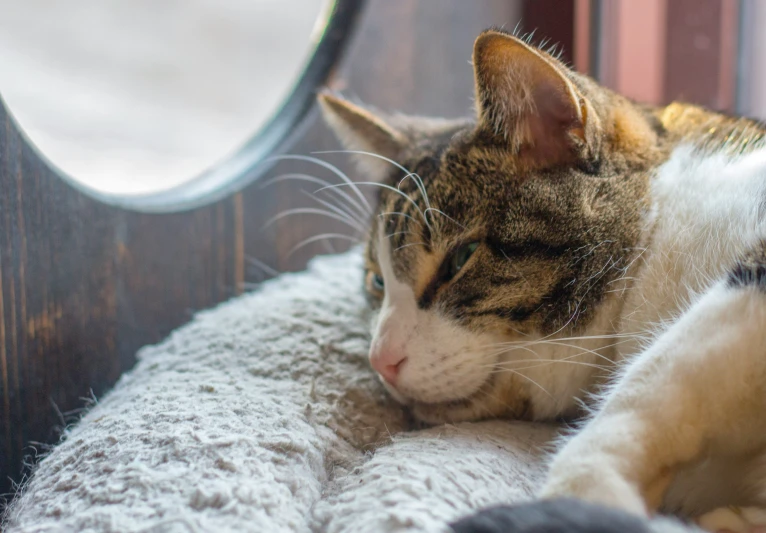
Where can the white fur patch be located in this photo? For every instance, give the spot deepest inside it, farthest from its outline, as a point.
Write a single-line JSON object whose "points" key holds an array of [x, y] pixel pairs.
{"points": [[706, 213], [444, 361]]}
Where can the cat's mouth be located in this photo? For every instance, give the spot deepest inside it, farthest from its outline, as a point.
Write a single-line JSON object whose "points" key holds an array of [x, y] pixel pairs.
{"points": [[450, 394]]}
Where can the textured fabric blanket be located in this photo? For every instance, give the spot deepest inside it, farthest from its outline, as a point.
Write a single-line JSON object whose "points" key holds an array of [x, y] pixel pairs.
{"points": [[263, 415]]}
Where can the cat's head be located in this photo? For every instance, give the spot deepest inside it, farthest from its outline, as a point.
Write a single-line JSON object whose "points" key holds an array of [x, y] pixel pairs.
{"points": [[497, 237]]}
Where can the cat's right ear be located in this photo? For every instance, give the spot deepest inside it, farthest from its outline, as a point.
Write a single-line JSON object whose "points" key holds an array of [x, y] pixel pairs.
{"points": [[360, 130], [525, 96]]}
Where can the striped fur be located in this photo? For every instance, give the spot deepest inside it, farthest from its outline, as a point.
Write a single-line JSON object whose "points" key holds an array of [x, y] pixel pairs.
{"points": [[602, 225]]}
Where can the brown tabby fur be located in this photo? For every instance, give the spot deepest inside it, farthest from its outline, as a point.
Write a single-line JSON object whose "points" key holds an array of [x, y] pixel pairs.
{"points": [[567, 211]]}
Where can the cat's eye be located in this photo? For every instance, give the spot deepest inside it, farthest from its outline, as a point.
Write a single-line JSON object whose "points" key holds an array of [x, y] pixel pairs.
{"points": [[377, 283], [461, 257]]}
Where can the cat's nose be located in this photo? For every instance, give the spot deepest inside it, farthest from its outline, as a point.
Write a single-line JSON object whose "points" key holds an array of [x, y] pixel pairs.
{"points": [[388, 365]]}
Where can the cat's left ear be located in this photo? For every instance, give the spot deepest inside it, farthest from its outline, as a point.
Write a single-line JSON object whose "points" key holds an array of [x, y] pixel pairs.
{"points": [[358, 129], [526, 97]]}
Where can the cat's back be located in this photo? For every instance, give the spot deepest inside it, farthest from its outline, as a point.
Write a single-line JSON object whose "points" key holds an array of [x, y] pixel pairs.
{"points": [[707, 209]]}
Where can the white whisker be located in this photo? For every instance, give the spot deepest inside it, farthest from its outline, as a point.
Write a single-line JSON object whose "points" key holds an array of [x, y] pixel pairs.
{"points": [[544, 362], [401, 214], [408, 245], [263, 266], [531, 381], [315, 238], [312, 211], [318, 181], [337, 209], [383, 186], [335, 170], [409, 174], [442, 213]]}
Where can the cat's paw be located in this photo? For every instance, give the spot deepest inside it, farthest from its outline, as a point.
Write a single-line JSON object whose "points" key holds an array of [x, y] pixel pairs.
{"points": [[552, 516], [734, 520], [592, 481]]}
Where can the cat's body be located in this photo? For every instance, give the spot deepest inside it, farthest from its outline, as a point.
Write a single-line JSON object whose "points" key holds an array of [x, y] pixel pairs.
{"points": [[566, 240]]}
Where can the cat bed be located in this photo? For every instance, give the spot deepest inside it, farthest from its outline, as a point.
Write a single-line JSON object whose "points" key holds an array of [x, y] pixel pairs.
{"points": [[263, 415]]}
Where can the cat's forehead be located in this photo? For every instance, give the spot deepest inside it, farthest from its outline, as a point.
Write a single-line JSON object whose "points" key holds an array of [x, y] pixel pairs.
{"points": [[477, 183]]}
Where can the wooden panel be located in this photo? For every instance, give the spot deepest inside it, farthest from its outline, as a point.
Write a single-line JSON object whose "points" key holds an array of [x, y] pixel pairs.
{"points": [[657, 51], [701, 49], [632, 48], [58, 312], [84, 285]]}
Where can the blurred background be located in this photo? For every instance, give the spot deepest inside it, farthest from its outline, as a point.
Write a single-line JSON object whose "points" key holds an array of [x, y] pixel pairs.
{"points": [[135, 96], [132, 96]]}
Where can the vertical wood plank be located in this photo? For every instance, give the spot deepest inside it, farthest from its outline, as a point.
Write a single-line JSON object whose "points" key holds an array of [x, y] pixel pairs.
{"points": [[658, 51], [701, 52], [633, 47], [582, 51]]}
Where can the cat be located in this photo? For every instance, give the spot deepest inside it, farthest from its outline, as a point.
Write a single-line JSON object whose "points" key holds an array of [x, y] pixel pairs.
{"points": [[569, 253]]}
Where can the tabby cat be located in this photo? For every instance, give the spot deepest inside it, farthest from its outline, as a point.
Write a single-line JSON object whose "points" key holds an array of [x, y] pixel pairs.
{"points": [[570, 252]]}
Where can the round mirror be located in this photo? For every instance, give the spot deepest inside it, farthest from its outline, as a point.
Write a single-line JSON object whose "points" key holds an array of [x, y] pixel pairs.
{"points": [[139, 98]]}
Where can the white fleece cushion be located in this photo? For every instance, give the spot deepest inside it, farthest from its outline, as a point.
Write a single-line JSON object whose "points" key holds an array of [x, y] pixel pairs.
{"points": [[263, 415]]}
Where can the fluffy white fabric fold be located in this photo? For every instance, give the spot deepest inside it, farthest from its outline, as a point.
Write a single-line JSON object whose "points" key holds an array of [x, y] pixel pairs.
{"points": [[263, 415]]}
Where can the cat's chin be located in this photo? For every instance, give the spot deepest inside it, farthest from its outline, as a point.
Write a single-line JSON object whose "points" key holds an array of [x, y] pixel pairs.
{"points": [[450, 412], [471, 408], [496, 398]]}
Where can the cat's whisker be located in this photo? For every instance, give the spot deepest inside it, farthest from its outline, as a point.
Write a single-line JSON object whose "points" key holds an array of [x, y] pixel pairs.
{"points": [[408, 245], [584, 351], [419, 184], [409, 174], [313, 211], [511, 349], [399, 213], [337, 208], [510, 371], [315, 238], [442, 213], [363, 152], [497, 369], [318, 181], [565, 325], [332, 168], [383, 186], [263, 267], [573, 338]]}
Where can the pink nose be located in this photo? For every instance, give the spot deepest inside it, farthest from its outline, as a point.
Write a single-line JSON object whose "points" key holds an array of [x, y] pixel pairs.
{"points": [[388, 365]]}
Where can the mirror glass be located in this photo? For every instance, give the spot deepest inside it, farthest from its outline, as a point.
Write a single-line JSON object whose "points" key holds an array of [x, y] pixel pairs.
{"points": [[137, 96]]}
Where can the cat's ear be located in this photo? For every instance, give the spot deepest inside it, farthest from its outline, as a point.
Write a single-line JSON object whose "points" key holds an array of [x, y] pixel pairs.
{"points": [[360, 130], [525, 96]]}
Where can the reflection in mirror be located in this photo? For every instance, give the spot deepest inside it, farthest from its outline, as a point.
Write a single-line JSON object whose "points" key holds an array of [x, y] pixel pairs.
{"points": [[137, 96]]}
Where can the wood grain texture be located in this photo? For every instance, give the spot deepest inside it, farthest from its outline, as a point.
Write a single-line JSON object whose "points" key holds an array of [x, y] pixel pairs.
{"points": [[84, 285]]}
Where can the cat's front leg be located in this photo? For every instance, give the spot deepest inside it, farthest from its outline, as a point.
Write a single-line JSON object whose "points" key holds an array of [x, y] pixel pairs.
{"points": [[699, 389]]}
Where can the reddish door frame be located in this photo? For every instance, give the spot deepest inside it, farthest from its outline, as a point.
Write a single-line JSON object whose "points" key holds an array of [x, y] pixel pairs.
{"points": [[656, 51]]}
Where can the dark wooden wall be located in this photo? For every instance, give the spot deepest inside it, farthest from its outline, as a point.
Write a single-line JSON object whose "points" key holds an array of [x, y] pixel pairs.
{"points": [[83, 285]]}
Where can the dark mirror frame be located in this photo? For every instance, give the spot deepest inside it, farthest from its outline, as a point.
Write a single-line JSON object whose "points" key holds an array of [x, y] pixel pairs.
{"points": [[334, 28]]}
